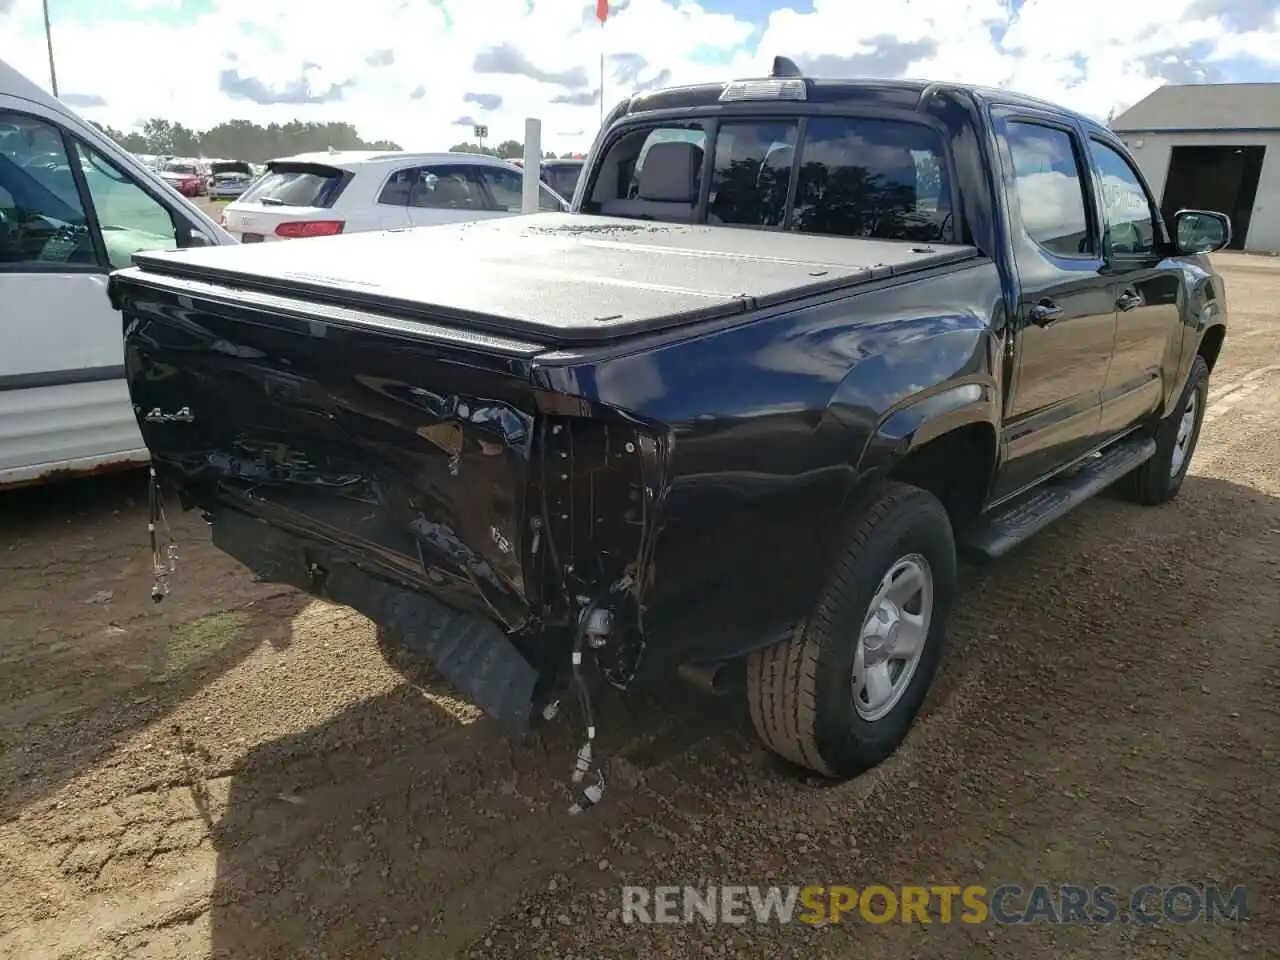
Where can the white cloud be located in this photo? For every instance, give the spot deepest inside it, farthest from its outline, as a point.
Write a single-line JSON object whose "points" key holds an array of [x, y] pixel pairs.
{"points": [[141, 61]]}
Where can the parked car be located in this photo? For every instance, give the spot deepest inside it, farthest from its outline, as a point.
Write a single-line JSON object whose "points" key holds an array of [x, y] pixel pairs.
{"points": [[186, 177], [800, 343], [562, 175], [320, 194], [228, 179], [73, 206]]}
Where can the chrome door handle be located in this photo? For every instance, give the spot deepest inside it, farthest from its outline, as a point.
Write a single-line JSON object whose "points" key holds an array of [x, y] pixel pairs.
{"points": [[1129, 300], [1044, 313]]}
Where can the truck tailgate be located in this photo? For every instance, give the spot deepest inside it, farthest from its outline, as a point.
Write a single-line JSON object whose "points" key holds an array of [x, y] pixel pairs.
{"points": [[408, 453]]}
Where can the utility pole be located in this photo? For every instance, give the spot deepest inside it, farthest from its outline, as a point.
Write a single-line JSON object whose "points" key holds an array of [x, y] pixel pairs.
{"points": [[48, 37]]}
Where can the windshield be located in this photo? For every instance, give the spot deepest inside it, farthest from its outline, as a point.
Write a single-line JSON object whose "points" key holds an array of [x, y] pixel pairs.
{"points": [[175, 167], [230, 169], [296, 185]]}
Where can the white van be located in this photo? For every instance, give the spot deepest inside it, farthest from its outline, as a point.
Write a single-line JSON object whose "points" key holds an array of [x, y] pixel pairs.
{"points": [[73, 206]]}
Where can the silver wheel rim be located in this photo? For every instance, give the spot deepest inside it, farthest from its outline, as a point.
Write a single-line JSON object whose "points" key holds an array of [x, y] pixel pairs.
{"points": [[1182, 442], [893, 635]]}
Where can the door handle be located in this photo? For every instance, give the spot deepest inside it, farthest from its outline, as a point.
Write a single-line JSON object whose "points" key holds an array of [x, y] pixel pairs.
{"points": [[1045, 313], [1129, 300]]}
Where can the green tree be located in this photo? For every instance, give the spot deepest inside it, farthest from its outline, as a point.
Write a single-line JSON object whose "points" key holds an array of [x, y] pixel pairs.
{"points": [[477, 149], [510, 150], [158, 133], [243, 139]]}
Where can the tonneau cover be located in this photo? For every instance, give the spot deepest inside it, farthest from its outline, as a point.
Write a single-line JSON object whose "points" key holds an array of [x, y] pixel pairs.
{"points": [[559, 279]]}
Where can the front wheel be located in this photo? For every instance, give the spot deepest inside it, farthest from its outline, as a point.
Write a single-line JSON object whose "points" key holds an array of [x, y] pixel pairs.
{"points": [[1160, 478], [841, 694]]}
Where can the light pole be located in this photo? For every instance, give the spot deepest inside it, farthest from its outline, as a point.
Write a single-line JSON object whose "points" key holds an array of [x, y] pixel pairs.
{"points": [[48, 36]]}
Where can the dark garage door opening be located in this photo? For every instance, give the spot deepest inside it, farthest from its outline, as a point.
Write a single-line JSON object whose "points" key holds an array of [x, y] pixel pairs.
{"points": [[1224, 179]]}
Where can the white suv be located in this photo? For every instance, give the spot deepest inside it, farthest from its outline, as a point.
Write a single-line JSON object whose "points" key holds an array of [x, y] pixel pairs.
{"points": [[320, 194]]}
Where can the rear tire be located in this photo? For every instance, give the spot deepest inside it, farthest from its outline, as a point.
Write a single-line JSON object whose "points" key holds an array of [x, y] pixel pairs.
{"points": [[835, 698], [1160, 478]]}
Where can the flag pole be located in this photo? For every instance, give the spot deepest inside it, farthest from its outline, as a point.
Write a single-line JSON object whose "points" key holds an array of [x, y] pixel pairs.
{"points": [[602, 14], [48, 39]]}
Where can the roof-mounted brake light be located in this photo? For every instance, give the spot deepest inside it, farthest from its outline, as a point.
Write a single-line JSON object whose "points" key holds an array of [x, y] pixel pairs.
{"points": [[790, 88], [785, 67]]}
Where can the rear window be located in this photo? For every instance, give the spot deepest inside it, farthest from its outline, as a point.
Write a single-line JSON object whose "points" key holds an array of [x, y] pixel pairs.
{"points": [[297, 185], [847, 176], [873, 178], [751, 174]]}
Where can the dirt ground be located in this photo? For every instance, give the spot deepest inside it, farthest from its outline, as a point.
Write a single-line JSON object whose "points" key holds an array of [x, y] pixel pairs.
{"points": [[237, 772]]}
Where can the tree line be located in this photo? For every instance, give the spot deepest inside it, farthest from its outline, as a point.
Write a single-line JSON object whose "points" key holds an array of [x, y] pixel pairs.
{"points": [[242, 139], [506, 150], [245, 140]]}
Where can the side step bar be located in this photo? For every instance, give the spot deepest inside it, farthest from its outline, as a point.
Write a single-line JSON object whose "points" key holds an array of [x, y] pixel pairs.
{"points": [[995, 534]]}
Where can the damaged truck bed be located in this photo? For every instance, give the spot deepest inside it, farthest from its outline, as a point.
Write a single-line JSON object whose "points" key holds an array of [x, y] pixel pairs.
{"points": [[465, 432], [799, 344]]}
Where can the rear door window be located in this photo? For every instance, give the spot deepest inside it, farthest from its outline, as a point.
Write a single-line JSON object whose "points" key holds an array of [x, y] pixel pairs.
{"points": [[884, 179], [297, 185], [752, 173], [399, 186], [1049, 187]]}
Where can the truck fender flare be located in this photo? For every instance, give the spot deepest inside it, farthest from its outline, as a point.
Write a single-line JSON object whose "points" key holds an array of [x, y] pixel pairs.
{"points": [[925, 417], [1205, 316], [1208, 323], [907, 427]]}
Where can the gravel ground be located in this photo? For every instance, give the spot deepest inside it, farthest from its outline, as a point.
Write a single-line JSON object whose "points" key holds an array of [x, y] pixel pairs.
{"points": [[238, 772]]}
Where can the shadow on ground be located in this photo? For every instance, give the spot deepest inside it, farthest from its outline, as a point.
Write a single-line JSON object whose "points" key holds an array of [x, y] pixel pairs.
{"points": [[86, 657], [406, 837]]}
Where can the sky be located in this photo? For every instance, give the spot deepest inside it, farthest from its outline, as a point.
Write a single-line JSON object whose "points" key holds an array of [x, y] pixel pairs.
{"points": [[422, 72]]}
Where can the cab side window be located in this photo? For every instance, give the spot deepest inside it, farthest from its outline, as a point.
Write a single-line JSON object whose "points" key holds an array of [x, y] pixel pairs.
{"points": [[1050, 188], [1128, 215], [131, 220], [42, 217], [627, 185]]}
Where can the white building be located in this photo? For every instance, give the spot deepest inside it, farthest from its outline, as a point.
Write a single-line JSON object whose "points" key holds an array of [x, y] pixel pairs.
{"points": [[1212, 146]]}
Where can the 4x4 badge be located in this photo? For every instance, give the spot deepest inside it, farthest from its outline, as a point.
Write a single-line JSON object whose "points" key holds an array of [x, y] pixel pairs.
{"points": [[183, 415]]}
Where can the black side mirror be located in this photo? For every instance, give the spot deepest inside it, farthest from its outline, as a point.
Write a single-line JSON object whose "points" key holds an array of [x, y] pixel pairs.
{"points": [[1201, 231]]}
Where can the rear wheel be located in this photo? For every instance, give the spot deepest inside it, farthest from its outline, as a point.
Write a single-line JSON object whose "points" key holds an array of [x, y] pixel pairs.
{"points": [[1160, 478], [841, 694]]}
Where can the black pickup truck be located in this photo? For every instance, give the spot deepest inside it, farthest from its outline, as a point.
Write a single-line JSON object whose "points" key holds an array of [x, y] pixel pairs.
{"points": [[798, 345]]}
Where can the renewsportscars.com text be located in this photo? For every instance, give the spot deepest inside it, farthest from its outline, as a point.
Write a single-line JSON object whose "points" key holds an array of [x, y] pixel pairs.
{"points": [[1004, 904]]}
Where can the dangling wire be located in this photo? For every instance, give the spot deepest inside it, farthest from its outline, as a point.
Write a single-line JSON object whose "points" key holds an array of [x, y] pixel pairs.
{"points": [[589, 795], [161, 565]]}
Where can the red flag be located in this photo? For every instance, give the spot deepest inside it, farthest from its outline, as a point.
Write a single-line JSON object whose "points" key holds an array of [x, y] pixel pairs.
{"points": [[602, 10]]}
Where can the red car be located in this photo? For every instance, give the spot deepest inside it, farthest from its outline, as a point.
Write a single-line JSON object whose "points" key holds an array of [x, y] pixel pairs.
{"points": [[186, 178]]}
